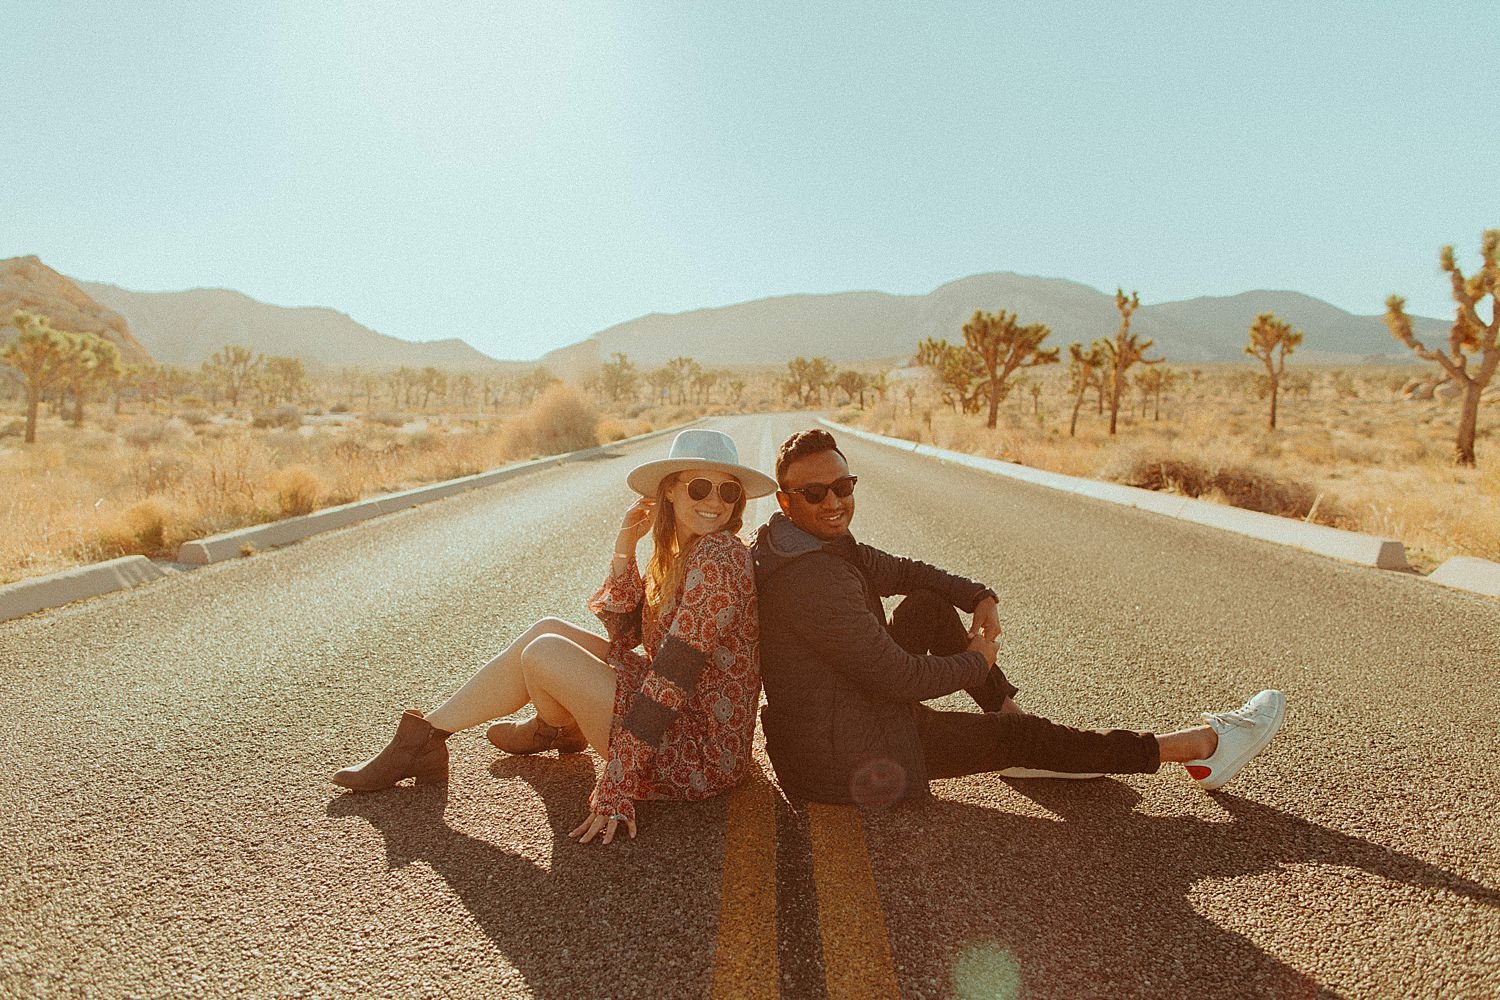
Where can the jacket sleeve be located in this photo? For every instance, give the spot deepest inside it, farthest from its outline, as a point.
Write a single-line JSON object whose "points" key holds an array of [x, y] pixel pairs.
{"points": [[715, 592], [891, 574], [841, 629], [617, 603]]}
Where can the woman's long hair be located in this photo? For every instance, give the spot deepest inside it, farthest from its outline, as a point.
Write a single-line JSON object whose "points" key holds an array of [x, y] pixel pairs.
{"points": [[667, 566]]}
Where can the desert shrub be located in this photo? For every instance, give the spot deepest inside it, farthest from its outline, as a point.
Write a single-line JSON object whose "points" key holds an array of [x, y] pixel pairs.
{"points": [[140, 529], [1247, 486], [195, 417], [285, 416], [298, 490], [339, 408], [149, 433], [561, 420], [387, 418], [159, 471], [610, 429]]}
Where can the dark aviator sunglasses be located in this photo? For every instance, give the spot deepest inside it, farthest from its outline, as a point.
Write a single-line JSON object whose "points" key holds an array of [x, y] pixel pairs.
{"points": [[729, 490], [814, 493]]}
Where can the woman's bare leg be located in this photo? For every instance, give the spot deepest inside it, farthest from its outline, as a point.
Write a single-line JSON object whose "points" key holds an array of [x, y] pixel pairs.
{"points": [[569, 684], [498, 688]]}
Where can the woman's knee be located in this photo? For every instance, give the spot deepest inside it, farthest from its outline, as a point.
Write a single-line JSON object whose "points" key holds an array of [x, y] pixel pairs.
{"points": [[542, 651], [545, 626]]}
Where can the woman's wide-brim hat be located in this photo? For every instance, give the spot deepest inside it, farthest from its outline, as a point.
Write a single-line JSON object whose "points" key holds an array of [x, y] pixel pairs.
{"points": [[696, 449]]}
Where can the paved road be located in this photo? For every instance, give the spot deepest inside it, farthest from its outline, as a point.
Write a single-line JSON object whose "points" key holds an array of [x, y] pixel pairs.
{"points": [[168, 829]]}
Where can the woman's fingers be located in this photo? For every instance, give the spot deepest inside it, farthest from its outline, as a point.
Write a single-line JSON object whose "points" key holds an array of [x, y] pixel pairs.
{"points": [[594, 825]]}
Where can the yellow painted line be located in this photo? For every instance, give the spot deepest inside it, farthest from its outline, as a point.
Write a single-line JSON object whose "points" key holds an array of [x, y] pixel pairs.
{"points": [[745, 954], [856, 949]]}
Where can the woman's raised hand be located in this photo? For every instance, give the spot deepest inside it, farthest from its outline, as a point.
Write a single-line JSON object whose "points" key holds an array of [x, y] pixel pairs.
{"points": [[637, 520]]}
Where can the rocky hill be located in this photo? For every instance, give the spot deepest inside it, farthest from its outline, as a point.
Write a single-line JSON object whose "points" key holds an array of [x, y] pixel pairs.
{"points": [[857, 326], [186, 328], [26, 283]]}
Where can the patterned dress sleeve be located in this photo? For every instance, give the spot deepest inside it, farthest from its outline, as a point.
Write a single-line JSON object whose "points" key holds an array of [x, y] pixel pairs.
{"points": [[709, 603], [617, 603]]}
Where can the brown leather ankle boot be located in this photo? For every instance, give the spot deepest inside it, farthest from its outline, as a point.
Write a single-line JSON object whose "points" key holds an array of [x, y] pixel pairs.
{"points": [[535, 736], [416, 751]]}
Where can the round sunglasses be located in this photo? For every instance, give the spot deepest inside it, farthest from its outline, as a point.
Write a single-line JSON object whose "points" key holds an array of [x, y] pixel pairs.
{"points": [[729, 490], [815, 492]]}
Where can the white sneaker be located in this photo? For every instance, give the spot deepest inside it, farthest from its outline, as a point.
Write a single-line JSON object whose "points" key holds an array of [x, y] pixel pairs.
{"points": [[1037, 772], [1243, 733]]}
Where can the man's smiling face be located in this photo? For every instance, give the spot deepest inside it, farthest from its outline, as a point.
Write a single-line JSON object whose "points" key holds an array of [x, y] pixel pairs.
{"points": [[829, 518]]}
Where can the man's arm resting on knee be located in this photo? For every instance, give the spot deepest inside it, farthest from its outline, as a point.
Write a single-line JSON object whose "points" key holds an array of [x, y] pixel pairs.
{"points": [[892, 574], [840, 628]]}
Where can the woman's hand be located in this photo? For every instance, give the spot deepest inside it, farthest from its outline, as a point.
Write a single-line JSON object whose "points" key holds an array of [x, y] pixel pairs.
{"points": [[590, 827], [637, 520]]}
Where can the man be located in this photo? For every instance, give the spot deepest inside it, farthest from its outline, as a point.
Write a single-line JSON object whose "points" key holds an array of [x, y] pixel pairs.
{"points": [[844, 718]]}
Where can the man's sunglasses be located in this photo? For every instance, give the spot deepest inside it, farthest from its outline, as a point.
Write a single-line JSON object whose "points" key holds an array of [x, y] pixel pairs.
{"points": [[729, 490], [815, 493]]}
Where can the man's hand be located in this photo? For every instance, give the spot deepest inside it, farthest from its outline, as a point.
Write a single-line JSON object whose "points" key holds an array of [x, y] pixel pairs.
{"points": [[988, 647], [986, 621]]}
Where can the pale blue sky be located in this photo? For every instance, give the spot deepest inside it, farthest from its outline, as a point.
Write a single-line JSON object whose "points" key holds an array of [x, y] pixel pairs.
{"points": [[522, 175]]}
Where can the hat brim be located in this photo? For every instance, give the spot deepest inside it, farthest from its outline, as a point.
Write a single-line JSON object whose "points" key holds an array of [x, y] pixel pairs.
{"points": [[646, 477]]}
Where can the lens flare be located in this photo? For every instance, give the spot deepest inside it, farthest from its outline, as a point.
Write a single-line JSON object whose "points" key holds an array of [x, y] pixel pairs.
{"points": [[986, 970]]}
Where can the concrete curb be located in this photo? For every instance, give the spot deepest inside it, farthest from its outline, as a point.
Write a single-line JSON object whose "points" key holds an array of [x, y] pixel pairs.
{"points": [[27, 596], [1350, 546], [1469, 573]]}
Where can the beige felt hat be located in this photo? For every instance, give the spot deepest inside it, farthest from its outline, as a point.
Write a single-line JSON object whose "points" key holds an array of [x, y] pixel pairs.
{"points": [[696, 448]]}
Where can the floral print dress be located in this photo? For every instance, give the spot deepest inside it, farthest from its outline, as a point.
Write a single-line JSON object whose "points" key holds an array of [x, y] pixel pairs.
{"points": [[684, 717]]}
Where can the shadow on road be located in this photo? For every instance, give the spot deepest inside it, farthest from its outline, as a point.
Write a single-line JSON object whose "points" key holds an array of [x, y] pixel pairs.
{"points": [[628, 919], [1102, 902]]}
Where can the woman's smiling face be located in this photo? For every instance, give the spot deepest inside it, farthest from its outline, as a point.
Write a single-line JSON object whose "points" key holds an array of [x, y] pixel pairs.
{"points": [[699, 517]]}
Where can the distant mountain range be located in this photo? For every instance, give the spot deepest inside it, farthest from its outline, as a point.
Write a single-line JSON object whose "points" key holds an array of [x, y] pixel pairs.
{"points": [[855, 326], [186, 328]]}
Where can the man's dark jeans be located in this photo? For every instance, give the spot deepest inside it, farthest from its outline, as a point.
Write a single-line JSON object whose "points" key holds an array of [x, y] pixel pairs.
{"points": [[960, 743]]}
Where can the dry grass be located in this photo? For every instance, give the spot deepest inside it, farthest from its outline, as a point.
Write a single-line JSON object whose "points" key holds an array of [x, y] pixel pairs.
{"points": [[146, 484], [1368, 462]]}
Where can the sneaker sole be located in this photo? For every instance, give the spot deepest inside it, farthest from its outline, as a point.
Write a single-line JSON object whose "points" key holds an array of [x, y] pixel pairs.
{"points": [[1037, 772], [1220, 778]]}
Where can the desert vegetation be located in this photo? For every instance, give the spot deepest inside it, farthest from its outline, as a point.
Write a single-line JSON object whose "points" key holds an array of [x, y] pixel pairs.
{"points": [[1365, 448], [139, 460], [101, 458]]}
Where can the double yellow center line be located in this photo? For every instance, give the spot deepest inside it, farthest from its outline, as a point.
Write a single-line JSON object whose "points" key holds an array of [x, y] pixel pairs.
{"points": [[857, 959]]}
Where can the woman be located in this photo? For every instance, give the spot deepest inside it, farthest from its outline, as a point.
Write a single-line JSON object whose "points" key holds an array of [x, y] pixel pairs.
{"points": [[674, 723]]}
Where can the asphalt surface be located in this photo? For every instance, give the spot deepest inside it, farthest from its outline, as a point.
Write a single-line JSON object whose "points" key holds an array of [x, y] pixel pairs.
{"points": [[168, 828]]}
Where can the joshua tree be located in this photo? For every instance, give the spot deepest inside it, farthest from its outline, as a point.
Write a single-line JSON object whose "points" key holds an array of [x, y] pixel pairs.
{"points": [[41, 355], [854, 385], [234, 368], [959, 371], [1085, 372], [92, 361], [1123, 352], [284, 378], [1005, 346], [1470, 334], [618, 377], [1271, 340], [806, 378]]}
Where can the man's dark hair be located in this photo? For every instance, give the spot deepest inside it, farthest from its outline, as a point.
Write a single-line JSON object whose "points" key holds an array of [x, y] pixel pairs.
{"points": [[801, 445]]}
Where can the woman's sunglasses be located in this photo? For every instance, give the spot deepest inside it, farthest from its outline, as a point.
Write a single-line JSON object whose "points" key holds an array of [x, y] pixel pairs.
{"points": [[729, 490], [815, 493]]}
